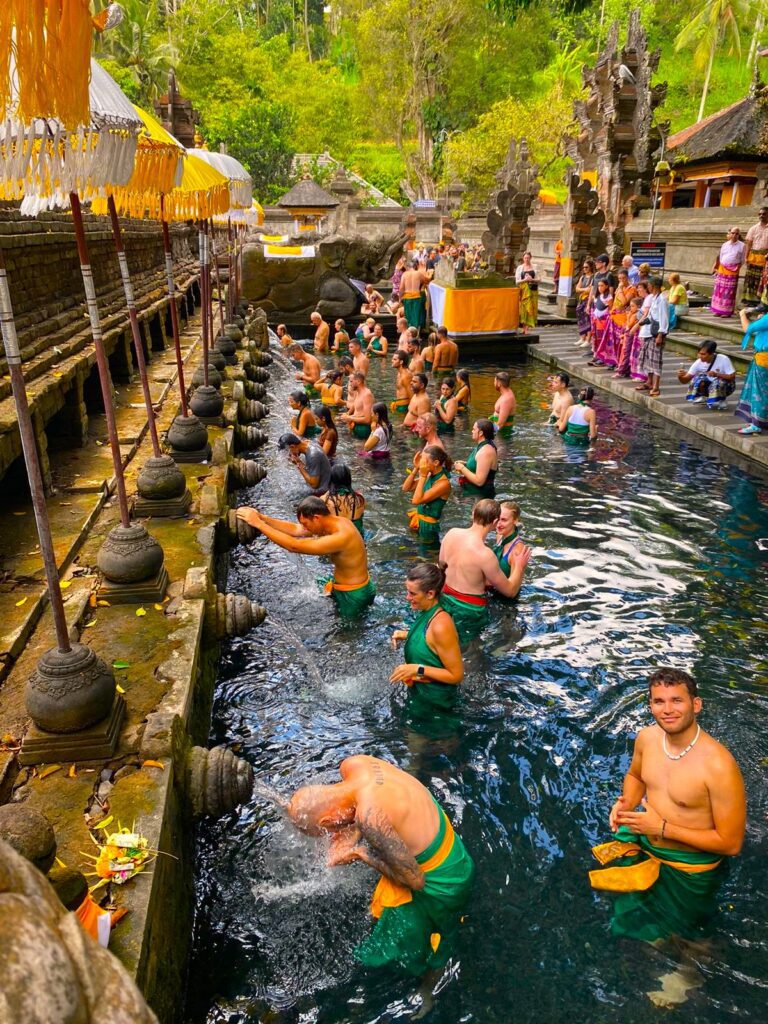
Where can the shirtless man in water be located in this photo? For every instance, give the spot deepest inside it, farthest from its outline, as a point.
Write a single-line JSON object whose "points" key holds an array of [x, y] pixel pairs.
{"points": [[416, 362], [360, 360], [283, 336], [318, 532], [693, 817], [385, 818], [506, 405], [562, 396], [420, 402], [471, 567], [322, 332], [403, 382], [446, 351], [359, 407], [310, 371]]}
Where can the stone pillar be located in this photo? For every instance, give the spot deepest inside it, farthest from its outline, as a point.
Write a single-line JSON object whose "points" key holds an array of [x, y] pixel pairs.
{"points": [[583, 235]]}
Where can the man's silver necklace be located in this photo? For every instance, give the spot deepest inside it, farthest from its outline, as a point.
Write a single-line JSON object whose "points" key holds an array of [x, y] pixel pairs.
{"points": [[691, 745]]}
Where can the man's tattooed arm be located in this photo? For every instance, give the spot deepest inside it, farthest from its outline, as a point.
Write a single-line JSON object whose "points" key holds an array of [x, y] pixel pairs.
{"points": [[384, 850]]}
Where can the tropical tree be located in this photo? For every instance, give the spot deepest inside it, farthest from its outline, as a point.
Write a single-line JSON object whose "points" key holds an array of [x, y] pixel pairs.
{"points": [[713, 22], [136, 44]]}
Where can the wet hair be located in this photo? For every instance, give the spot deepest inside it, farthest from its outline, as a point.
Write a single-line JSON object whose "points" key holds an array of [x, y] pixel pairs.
{"points": [[502, 376], [586, 394], [355, 341], [427, 575], [422, 377], [382, 413], [463, 376], [449, 382], [301, 397], [513, 507], [296, 347], [311, 506], [486, 511], [346, 361], [341, 477], [402, 355], [323, 413], [486, 428], [434, 451], [340, 323], [673, 677], [334, 375], [443, 332], [429, 418], [564, 377], [414, 333], [359, 375], [288, 440], [432, 339]]}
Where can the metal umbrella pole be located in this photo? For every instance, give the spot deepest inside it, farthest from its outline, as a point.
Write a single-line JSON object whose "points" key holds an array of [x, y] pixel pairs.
{"points": [[187, 436], [230, 293], [32, 460], [218, 276], [70, 688], [130, 559], [161, 484], [206, 402]]}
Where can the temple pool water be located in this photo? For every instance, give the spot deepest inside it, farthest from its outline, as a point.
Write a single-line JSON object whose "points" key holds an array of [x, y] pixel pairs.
{"points": [[646, 551]]}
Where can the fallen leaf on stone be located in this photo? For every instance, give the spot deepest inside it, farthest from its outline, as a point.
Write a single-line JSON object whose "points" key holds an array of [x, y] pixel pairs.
{"points": [[21, 602], [190, 522], [72, 772], [158, 607], [60, 862], [100, 444], [65, 584], [141, 611], [105, 822], [88, 625], [153, 764], [121, 664], [119, 688], [50, 770], [103, 604]]}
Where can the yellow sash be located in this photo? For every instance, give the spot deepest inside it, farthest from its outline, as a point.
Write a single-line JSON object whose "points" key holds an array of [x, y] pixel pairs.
{"points": [[756, 259], [411, 295], [332, 585], [391, 894], [415, 517], [399, 405], [761, 358], [635, 877], [726, 271]]}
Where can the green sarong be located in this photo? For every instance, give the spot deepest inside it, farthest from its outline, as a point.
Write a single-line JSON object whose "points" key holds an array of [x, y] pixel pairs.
{"points": [[577, 433], [426, 696], [468, 611], [362, 431], [662, 892], [418, 929], [508, 428], [415, 310], [350, 603], [311, 391]]}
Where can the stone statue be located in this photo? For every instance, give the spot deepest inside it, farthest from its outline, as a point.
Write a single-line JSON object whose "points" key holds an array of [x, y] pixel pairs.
{"points": [[51, 972], [292, 288], [617, 135], [506, 239], [583, 235]]}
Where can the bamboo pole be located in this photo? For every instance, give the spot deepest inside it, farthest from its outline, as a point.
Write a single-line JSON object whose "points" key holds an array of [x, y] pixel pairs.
{"points": [[174, 310]]}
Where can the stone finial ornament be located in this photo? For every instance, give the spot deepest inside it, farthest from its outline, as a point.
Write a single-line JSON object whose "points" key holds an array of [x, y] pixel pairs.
{"points": [[506, 239]]}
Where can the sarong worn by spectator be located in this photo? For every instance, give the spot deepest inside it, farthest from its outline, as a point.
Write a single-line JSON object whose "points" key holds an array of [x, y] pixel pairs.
{"points": [[726, 270], [756, 252], [753, 400]]}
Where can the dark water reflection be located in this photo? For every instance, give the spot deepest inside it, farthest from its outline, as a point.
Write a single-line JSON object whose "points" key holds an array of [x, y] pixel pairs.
{"points": [[646, 551]]}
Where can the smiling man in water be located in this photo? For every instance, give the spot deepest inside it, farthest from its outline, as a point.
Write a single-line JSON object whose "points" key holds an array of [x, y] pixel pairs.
{"points": [[671, 855], [380, 815]]}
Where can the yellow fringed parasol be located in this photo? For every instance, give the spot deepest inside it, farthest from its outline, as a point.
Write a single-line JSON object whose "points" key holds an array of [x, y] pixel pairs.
{"points": [[45, 49], [240, 181]]}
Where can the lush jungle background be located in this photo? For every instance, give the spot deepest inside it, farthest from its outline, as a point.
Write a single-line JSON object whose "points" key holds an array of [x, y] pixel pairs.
{"points": [[411, 95]]}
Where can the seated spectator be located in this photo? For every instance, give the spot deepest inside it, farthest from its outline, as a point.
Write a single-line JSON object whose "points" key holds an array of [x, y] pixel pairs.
{"points": [[678, 300], [373, 300], [710, 378]]}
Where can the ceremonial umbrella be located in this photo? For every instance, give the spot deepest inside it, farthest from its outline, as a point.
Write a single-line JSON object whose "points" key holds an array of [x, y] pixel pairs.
{"points": [[241, 198], [51, 166]]}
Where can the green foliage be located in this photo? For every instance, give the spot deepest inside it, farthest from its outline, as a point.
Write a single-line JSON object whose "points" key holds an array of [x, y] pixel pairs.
{"points": [[405, 92]]}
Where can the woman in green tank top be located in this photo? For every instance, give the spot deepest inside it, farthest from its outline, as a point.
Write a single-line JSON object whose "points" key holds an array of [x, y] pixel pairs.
{"points": [[303, 423], [446, 407], [507, 534], [431, 486], [478, 473], [433, 665]]}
